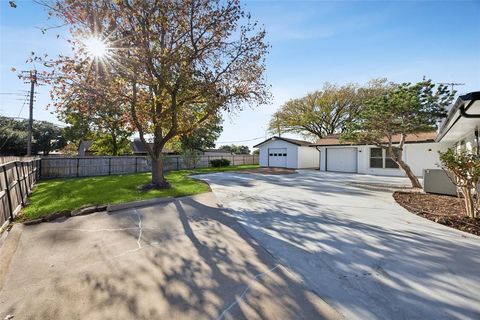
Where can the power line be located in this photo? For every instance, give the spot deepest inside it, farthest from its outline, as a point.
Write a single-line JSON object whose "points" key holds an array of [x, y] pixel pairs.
{"points": [[23, 105], [262, 137]]}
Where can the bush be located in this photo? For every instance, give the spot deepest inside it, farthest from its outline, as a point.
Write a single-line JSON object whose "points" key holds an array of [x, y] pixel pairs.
{"points": [[465, 167], [217, 163]]}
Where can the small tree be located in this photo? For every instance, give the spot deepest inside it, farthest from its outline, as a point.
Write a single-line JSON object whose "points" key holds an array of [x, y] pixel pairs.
{"points": [[465, 167], [405, 110]]}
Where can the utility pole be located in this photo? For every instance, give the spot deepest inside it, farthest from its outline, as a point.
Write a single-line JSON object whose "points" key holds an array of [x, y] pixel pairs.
{"points": [[33, 81]]}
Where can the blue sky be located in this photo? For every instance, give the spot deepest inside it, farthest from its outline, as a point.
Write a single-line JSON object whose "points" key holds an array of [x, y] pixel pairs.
{"points": [[312, 42]]}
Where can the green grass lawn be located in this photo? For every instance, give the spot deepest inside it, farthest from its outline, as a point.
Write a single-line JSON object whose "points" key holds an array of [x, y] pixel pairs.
{"points": [[56, 195]]}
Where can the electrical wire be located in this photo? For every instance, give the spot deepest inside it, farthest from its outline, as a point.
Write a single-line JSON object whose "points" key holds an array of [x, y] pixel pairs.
{"points": [[21, 109], [258, 138]]}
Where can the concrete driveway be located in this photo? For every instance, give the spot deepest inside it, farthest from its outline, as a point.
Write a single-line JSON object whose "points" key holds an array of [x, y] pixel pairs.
{"points": [[354, 246], [183, 259]]}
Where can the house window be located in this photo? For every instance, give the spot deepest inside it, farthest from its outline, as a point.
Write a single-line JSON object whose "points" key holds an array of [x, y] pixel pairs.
{"points": [[380, 158], [376, 158]]}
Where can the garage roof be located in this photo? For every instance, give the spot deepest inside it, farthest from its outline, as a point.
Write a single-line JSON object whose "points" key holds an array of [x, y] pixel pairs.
{"points": [[292, 141], [334, 139]]}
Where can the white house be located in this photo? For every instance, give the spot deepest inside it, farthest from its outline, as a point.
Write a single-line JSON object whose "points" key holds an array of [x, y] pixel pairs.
{"points": [[419, 152], [459, 129], [287, 153], [330, 154]]}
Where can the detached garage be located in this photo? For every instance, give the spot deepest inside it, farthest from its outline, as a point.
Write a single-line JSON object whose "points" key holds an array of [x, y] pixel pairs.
{"points": [[287, 153]]}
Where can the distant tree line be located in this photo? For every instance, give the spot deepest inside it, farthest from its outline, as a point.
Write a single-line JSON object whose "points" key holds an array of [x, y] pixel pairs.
{"points": [[46, 137], [236, 149]]}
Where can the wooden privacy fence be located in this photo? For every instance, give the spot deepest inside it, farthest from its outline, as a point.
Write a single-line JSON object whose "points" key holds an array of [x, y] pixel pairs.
{"points": [[63, 167], [16, 181]]}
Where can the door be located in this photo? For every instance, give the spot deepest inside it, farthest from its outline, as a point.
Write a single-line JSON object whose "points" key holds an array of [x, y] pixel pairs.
{"points": [[341, 159], [277, 157]]}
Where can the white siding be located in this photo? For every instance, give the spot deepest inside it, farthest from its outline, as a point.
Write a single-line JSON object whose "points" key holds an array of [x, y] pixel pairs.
{"points": [[307, 158], [418, 156], [292, 152]]}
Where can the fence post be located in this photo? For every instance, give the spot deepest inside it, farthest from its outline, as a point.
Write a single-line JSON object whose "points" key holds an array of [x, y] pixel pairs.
{"points": [[136, 164], [178, 162], [109, 165], [7, 192], [19, 183], [30, 179], [27, 185], [39, 169], [208, 161], [78, 167]]}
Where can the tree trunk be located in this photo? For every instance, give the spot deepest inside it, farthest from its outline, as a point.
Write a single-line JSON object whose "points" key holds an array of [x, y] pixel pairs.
{"points": [[158, 179], [408, 171], [468, 200], [398, 158]]}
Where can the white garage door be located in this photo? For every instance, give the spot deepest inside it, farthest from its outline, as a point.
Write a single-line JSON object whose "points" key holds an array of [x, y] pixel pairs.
{"points": [[341, 159], [277, 157]]}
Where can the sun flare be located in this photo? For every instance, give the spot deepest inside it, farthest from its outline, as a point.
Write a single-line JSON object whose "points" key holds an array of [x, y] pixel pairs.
{"points": [[96, 47]]}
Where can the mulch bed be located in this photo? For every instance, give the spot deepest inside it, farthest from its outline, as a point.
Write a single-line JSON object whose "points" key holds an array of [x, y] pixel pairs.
{"points": [[276, 171], [446, 210]]}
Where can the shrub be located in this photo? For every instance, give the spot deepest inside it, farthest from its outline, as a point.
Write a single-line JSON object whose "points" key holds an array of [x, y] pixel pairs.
{"points": [[465, 167], [217, 163]]}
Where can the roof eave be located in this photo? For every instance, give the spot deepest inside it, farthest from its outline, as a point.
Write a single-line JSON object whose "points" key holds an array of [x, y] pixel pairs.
{"points": [[465, 101]]}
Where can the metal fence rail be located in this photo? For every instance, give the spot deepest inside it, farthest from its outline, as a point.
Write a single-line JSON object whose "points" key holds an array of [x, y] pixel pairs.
{"points": [[16, 181]]}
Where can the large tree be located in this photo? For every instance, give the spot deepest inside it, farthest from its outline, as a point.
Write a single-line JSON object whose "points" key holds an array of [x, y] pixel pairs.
{"points": [[407, 109], [325, 111], [175, 64]]}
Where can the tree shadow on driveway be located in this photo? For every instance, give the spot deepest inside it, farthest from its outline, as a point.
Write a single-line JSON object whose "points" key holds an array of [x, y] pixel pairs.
{"points": [[367, 268], [180, 260]]}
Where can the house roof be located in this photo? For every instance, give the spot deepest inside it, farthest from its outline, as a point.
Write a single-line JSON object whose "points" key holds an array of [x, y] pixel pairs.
{"points": [[84, 146], [138, 147], [463, 117], [292, 141], [334, 139]]}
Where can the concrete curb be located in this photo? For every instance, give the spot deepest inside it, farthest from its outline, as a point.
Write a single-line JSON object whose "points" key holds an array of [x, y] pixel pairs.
{"points": [[135, 204], [94, 209]]}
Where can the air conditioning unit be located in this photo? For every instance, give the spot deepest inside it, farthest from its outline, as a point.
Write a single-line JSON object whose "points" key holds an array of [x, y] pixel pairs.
{"points": [[439, 182]]}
